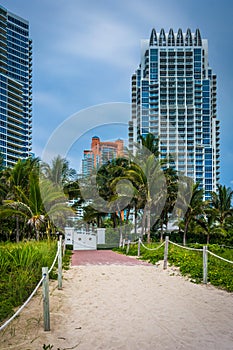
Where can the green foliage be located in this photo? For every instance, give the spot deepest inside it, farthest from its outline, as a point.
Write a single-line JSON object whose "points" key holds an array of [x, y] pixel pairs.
{"points": [[220, 273], [66, 259], [20, 266], [189, 262]]}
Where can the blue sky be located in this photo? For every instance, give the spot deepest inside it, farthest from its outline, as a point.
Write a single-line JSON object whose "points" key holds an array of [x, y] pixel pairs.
{"points": [[84, 53]]}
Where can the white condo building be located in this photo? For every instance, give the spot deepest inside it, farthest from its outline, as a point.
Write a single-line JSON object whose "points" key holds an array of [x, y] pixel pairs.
{"points": [[174, 98]]}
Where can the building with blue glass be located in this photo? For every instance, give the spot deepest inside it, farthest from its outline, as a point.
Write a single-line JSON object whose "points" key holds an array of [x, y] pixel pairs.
{"points": [[15, 88], [174, 98]]}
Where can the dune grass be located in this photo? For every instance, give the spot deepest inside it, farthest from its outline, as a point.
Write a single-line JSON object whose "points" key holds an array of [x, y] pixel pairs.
{"points": [[21, 268]]}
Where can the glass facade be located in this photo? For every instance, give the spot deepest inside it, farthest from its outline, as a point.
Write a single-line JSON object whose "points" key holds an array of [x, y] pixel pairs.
{"points": [[174, 98], [15, 88], [87, 163]]}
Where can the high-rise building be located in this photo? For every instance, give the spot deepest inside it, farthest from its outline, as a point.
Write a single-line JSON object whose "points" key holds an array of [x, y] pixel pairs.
{"points": [[100, 153], [15, 88], [174, 98]]}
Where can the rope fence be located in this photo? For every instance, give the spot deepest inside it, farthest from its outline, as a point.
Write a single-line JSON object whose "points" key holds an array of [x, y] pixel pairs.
{"points": [[187, 248], [23, 306], [220, 257], [44, 282], [204, 251], [151, 249]]}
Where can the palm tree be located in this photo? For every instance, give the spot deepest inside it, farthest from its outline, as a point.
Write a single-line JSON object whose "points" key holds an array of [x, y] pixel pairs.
{"points": [[27, 205], [150, 184], [151, 143], [59, 172], [172, 191], [221, 202], [15, 180], [92, 216], [42, 206], [195, 208], [18, 177], [207, 223]]}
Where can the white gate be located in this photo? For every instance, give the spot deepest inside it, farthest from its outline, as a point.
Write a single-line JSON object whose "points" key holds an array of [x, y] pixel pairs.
{"points": [[81, 240], [84, 241]]}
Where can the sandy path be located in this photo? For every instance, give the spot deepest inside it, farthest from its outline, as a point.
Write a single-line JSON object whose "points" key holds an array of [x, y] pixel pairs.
{"points": [[111, 307]]}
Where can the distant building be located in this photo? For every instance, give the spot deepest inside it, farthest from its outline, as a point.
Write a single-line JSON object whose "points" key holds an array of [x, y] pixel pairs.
{"points": [[174, 98], [100, 153], [15, 88]]}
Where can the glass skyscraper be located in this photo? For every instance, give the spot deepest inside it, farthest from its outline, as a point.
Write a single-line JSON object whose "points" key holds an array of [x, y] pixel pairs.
{"points": [[174, 98], [15, 88]]}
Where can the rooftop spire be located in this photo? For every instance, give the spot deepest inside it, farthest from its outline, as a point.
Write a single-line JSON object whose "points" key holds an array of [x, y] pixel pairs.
{"points": [[188, 38], [162, 38], [171, 38], [197, 38], [153, 38], [180, 38]]}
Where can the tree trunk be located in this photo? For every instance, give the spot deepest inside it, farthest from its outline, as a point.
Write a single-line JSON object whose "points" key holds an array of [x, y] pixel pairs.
{"points": [[135, 221], [143, 222], [185, 233], [121, 231], [208, 239], [161, 232], [37, 235], [148, 225], [114, 220]]}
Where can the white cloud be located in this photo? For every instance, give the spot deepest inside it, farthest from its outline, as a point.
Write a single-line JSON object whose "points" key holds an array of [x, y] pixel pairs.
{"points": [[98, 36]]}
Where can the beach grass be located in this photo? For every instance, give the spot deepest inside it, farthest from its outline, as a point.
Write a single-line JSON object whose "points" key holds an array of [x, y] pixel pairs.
{"points": [[21, 269]]}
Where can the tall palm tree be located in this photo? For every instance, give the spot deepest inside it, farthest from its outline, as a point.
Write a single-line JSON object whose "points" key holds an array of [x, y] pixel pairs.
{"points": [[59, 172], [195, 208], [149, 181], [207, 223], [172, 191]]}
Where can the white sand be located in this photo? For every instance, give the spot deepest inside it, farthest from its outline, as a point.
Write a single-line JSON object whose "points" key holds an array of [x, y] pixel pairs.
{"points": [[126, 307]]}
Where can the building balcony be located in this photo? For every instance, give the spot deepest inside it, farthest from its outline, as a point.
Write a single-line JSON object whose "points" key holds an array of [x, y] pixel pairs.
{"points": [[15, 150], [13, 107]]}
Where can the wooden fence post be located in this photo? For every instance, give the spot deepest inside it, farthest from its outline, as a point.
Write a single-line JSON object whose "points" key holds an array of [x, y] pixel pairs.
{"points": [[139, 244], [165, 253], [205, 264], [45, 288], [63, 248], [59, 246]]}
